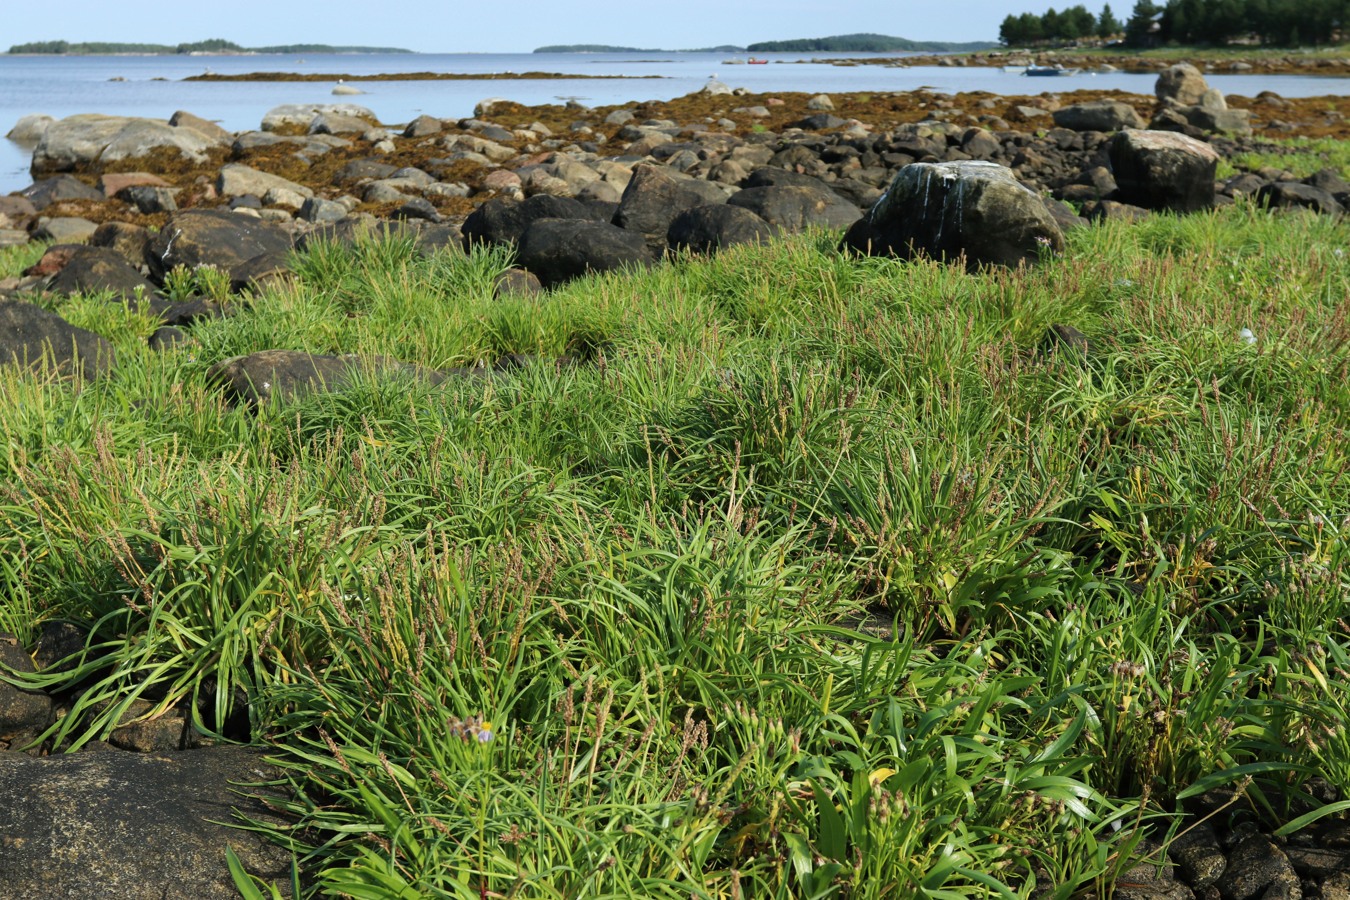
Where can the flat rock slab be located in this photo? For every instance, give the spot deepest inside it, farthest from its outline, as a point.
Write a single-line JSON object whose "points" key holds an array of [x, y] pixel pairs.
{"points": [[130, 826]]}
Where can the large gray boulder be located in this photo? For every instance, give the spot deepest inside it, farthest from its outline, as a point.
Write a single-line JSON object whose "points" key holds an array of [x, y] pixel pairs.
{"points": [[217, 238], [131, 826], [87, 141], [141, 137], [1163, 170], [1182, 84], [558, 250], [32, 338], [1098, 115], [29, 129], [74, 143], [971, 210]]}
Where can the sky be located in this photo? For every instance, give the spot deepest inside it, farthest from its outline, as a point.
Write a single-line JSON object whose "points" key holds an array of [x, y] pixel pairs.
{"points": [[515, 26]]}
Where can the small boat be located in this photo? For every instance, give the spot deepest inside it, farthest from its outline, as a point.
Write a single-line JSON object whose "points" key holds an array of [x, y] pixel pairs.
{"points": [[1048, 70], [752, 61]]}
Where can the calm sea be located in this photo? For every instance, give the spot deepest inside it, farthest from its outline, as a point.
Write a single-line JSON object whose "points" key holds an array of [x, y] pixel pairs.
{"points": [[153, 86]]}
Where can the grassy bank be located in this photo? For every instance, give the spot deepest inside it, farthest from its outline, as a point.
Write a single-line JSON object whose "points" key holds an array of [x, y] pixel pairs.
{"points": [[810, 576]]}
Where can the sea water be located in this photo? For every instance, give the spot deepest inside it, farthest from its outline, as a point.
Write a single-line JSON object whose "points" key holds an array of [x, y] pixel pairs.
{"points": [[154, 86]]}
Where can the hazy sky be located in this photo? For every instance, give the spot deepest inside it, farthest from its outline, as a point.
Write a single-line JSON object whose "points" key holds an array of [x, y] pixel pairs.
{"points": [[451, 26]]}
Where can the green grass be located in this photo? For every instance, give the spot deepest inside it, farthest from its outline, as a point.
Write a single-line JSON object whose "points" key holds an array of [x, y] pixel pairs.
{"points": [[815, 576], [1301, 156]]}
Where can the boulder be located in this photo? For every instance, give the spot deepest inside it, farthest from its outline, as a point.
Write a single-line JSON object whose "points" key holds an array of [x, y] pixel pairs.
{"points": [[260, 377], [44, 193], [28, 334], [1181, 83], [128, 240], [217, 238], [130, 826], [29, 129], [183, 119], [557, 250], [64, 229], [261, 271], [112, 182], [336, 123], [973, 210], [796, 207], [1296, 195], [1163, 170], [316, 209], [300, 115], [707, 229], [516, 283], [23, 714], [500, 221], [655, 196], [74, 143], [821, 102], [1098, 115], [97, 270], [422, 126], [142, 137], [149, 199], [236, 180]]}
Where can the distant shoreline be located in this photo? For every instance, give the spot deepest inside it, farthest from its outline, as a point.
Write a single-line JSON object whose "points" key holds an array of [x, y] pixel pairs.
{"points": [[405, 76]]}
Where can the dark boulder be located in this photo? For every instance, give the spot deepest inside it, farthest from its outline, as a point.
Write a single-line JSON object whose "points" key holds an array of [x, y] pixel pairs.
{"points": [[29, 335], [44, 193], [149, 199], [1112, 211], [128, 240], [655, 196], [23, 714], [707, 229], [97, 270], [1296, 195], [1098, 115], [257, 378], [557, 250], [128, 826], [795, 208], [501, 222], [225, 240], [516, 283], [1163, 170], [976, 211], [263, 270], [820, 122]]}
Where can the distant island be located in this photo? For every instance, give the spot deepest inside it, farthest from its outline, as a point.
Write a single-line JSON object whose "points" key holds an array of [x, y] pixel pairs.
{"points": [[841, 43], [215, 47]]}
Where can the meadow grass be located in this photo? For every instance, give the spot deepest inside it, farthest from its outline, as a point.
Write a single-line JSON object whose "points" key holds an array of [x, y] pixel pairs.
{"points": [[806, 576]]}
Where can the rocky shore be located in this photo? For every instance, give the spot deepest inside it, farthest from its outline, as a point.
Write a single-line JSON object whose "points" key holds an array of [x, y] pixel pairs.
{"points": [[1100, 60], [984, 180]]}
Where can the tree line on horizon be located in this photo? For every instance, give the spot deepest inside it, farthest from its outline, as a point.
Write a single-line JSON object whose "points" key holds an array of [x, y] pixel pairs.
{"points": [[1272, 22], [212, 45]]}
